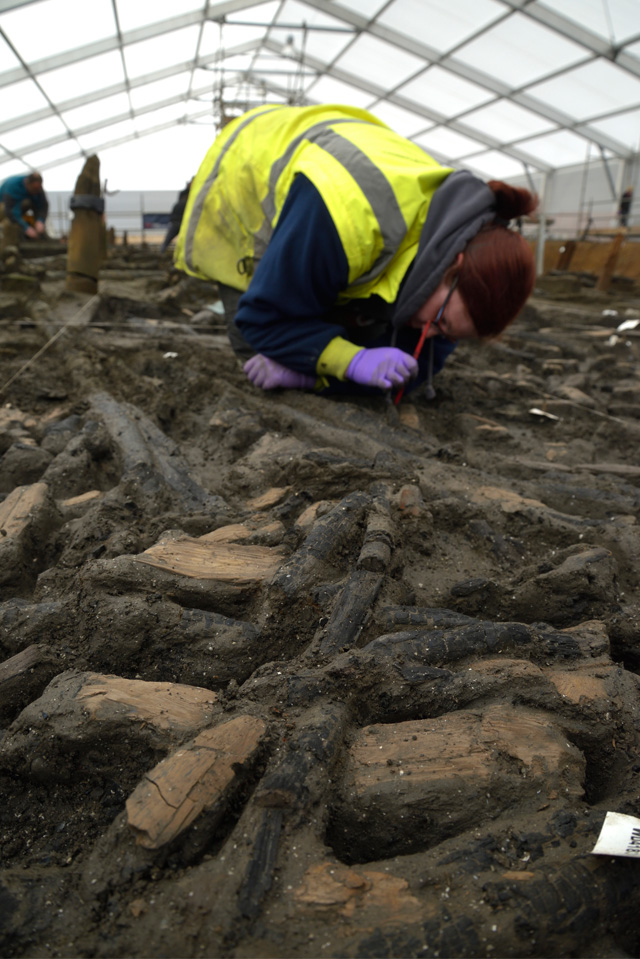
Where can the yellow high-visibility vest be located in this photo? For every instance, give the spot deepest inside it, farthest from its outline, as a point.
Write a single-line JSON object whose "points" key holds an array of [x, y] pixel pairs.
{"points": [[376, 185]]}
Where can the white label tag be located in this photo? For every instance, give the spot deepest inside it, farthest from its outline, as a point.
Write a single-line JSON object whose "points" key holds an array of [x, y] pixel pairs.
{"points": [[619, 836]]}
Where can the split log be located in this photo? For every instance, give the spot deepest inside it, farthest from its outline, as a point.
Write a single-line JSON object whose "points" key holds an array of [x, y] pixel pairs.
{"points": [[199, 777], [223, 562], [151, 460], [27, 517], [251, 531], [308, 516], [128, 575], [191, 646], [409, 786], [367, 899], [23, 623], [442, 647], [18, 508], [100, 722]]}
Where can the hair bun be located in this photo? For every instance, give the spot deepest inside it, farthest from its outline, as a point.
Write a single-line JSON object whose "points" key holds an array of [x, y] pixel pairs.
{"points": [[512, 201]]}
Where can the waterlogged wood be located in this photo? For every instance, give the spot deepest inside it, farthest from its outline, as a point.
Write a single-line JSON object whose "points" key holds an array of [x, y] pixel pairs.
{"points": [[416, 616], [265, 534], [14, 667], [379, 540], [330, 532], [22, 679], [410, 785], [614, 469], [150, 458], [89, 497], [221, 561], [307, 517], [226, 534], [509, 501], [196, 778], [167, 706], [17, 509], [259, 873], [270, 498], [366, 896], [350, 613]]}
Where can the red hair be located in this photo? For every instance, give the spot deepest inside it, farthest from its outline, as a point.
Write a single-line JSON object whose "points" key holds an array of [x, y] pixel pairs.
{"points": [[498, 271]]}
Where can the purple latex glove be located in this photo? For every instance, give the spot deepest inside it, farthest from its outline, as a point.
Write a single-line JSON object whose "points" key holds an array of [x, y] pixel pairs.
{"points": [[269, 375], [384, 367]]}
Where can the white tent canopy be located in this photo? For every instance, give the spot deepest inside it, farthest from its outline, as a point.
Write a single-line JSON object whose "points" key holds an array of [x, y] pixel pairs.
{"points": [[506, 88]]}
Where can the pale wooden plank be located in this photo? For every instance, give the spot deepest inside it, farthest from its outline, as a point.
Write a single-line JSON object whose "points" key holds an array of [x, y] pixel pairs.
{"points": [[225, 562], [198, 777]]}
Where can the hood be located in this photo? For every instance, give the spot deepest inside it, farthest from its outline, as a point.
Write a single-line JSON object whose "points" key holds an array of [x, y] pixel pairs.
{"points": [[459, 208]]}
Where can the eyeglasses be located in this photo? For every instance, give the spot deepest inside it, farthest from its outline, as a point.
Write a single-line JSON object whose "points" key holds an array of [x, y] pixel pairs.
{"points": [[418, 350]]}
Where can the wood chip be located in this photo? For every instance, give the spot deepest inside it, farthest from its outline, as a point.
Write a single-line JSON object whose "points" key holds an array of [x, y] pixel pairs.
{"points": [[270, 498], [93, 494]]}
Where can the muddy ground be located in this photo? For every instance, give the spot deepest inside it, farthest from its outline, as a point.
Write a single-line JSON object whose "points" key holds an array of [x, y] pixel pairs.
{"points": [[293, 676]]}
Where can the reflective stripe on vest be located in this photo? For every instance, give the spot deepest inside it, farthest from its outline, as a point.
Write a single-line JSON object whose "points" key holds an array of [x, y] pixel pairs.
{"points": [[373, 183]]}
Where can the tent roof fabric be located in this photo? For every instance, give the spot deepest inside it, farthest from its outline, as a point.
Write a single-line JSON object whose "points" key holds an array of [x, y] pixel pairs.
{"points": [[508, 86]]}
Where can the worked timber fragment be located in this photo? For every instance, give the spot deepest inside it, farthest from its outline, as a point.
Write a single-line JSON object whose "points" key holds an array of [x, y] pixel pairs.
{"points": [[431, 777], [150, 460], [197, 778], [86, 247], [331, 534], [22, 679], [27, 517], [80, 713], [225, 562]]}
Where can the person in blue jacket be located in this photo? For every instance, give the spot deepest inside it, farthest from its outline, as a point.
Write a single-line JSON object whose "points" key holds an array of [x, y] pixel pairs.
{"points": [[340, 249], [301, 274], [20, 194]]}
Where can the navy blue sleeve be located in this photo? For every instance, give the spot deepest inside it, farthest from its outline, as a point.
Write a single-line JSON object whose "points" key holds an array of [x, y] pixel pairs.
{"points": [[296, 281]]}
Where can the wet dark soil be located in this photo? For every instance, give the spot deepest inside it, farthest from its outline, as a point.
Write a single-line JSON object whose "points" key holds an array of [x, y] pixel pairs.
{"points": [[285, 675]]}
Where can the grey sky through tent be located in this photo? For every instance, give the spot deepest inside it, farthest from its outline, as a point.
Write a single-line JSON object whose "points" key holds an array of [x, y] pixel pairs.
{"points": [[505, 88]]}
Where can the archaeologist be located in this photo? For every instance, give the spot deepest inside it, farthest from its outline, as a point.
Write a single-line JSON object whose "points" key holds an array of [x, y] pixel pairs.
{"points": [[337, 244], [21, 195], [176, 217], [625, 206]]}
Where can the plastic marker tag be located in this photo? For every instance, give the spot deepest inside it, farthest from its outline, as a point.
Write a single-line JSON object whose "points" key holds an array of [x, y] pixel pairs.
{"points": [[547, 416], [619, 836], [628, 325]]}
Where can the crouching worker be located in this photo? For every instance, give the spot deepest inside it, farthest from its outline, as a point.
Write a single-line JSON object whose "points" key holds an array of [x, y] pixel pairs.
{"points": [[22, 197], [339, 247]]}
